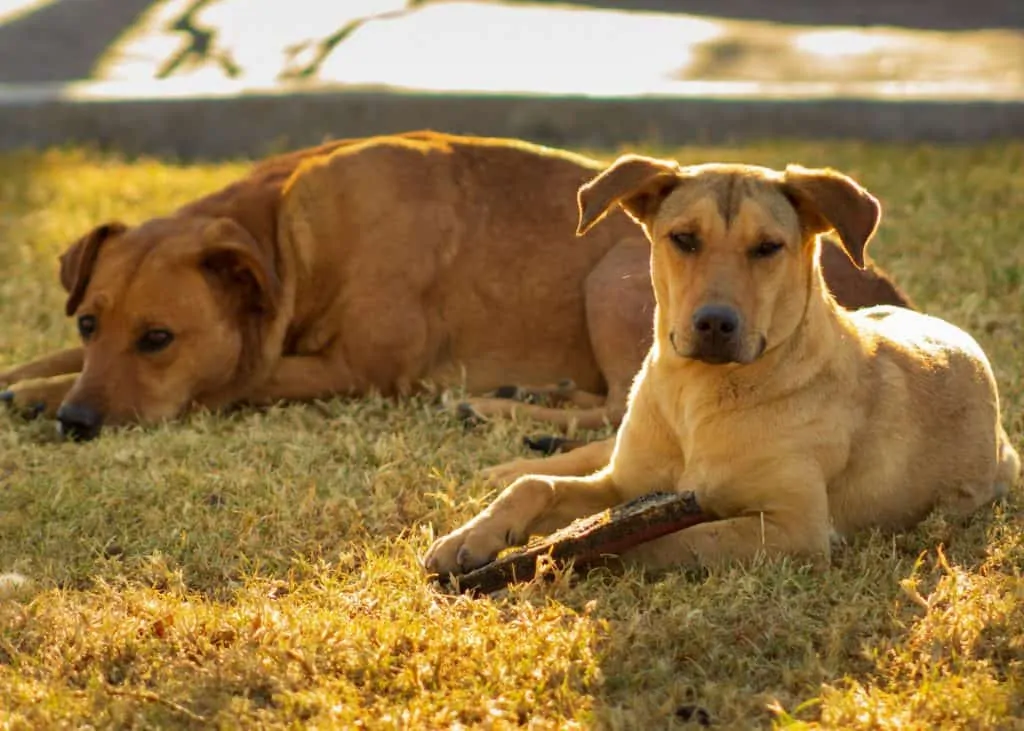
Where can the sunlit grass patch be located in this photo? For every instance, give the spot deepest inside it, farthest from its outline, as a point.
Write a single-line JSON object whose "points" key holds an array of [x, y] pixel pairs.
{"points": [[260, 568]]}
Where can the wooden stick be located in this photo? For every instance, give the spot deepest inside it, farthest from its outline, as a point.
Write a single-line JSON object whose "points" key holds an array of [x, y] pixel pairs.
{"points": [[588, 541]]}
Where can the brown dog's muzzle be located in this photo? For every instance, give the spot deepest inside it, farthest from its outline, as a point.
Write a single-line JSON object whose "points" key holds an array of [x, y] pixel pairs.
{"points": [[79, 422]]}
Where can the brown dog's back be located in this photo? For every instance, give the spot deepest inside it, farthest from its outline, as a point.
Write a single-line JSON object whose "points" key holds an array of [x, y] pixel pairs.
{"points": [[377, 263]]}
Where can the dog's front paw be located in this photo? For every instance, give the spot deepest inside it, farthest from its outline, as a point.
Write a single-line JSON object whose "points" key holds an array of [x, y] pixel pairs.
{"points": [[508, 521], [7, 379], [476, 543], [23, 403], [36, 397]]}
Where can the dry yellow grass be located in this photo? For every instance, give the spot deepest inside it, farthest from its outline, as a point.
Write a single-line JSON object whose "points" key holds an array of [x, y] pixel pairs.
{"points": [[259, 569]]}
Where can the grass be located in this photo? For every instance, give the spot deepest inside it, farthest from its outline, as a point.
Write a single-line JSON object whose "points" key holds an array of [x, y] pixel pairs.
{"points": [[259, 569]]}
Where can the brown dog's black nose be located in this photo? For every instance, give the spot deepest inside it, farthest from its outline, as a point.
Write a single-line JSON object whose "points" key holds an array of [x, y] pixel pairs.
{"points": [[79, 422], [716, 329]]}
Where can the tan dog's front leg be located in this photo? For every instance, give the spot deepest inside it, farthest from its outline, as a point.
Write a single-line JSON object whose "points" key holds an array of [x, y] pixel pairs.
{"points": [[39, 396], [579, 462], [57, 364], [532, 505], [797, 525]]}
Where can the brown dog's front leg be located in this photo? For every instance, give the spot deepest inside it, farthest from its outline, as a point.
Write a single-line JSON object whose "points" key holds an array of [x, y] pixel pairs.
{"points": [[56, 364], [304, 378], [39, 396]]}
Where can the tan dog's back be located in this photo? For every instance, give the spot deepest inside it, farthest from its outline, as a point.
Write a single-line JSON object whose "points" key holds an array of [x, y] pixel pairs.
{"points": [[931, 384]]}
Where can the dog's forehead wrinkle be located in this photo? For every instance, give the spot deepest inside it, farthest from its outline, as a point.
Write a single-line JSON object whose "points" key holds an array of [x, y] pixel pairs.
{"points": [[723, 203], [765, 216]]}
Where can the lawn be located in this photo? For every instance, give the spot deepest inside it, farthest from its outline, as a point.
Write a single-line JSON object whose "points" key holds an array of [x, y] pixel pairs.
{"points": [[259, 569]]}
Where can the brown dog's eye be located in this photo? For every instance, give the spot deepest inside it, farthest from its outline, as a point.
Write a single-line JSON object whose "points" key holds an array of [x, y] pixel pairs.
{"points": [[765, 249], [154, 340], [86, 326], [686, 242]]}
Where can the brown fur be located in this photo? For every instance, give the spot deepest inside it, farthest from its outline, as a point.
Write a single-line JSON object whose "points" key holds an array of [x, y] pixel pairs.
{"points": [[365, 264], [801, 421]]}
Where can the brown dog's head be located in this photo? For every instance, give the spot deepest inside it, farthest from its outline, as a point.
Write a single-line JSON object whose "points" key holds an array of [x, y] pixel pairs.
{"points": [[167, 313], [734, 247]]}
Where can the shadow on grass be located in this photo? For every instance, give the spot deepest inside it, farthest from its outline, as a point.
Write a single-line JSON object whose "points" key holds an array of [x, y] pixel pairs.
{"points": [[63, 40], [777, 642]]}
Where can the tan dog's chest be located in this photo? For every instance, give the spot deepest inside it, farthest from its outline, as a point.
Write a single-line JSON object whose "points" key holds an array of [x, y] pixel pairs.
{"points": [[862, 417]]}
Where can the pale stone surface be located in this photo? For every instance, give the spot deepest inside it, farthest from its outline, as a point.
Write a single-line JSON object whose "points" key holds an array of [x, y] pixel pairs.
{"points": [[486, 46], [232, 77]]}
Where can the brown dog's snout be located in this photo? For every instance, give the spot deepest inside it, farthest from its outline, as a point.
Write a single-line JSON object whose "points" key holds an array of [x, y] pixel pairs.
{"points": [[79, 422], [716, 334]]}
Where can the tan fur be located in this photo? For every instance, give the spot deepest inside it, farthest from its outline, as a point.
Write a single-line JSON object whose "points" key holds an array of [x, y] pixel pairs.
{"points": [[381, 264], [821, 421]]}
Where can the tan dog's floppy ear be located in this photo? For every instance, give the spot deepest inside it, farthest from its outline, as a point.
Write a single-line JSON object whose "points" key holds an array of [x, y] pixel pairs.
{"points": [[232, 255], [827, 200], [77, 262], [639, 184]]}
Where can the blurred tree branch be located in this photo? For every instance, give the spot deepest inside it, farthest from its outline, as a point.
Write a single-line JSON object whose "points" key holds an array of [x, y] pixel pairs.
{"points": [[201, 45], [320, 50]]}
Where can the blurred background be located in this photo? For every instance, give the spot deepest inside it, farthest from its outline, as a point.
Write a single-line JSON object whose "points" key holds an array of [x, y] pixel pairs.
{"points": [[213, 78]]}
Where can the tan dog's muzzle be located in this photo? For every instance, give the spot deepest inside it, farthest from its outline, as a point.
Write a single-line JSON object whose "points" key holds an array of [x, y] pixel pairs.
{"points": [[716, 336]]}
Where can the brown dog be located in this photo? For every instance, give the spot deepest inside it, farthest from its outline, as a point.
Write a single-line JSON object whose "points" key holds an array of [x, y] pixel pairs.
{"points": [[789, 417], [362, 264]]}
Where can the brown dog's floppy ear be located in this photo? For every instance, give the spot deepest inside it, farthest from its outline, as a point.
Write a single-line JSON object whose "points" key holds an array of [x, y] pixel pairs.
{"points": [[639, 184], [232, 255], [827, 200], [77, 262]]}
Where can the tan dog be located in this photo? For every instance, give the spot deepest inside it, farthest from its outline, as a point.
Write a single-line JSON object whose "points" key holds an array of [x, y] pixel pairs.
{"points": [[790, 418], [362, 264]]}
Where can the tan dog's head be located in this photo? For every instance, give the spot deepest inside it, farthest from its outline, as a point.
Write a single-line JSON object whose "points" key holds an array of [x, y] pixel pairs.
{"points": [[734, 247], [168, 313]]}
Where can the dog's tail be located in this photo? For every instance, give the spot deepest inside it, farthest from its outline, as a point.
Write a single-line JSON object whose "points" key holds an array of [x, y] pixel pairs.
{"points": [[1008, 471]]}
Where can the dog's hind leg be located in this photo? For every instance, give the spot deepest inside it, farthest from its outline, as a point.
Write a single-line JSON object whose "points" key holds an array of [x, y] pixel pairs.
{"points": [[987, 485], [596, 418], [1008, 471], [558, 394], [620, 322], [620, 319]]}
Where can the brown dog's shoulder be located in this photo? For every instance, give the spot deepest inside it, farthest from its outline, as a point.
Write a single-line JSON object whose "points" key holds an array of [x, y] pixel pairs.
{"points": [[855, 288]]}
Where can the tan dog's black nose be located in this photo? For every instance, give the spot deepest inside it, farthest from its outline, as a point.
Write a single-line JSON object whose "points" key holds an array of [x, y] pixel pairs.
{"points": [[79, 422], [716, 330]]}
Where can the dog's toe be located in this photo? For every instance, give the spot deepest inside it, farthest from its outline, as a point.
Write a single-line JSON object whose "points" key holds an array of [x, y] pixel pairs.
{"points": [[7, 396], [546, 444], [469, 416]]}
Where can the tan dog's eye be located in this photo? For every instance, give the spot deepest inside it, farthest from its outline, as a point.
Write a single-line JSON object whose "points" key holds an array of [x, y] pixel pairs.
{"points": [[686, 242], [153, 341], [765, 249], [86, 326]]}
